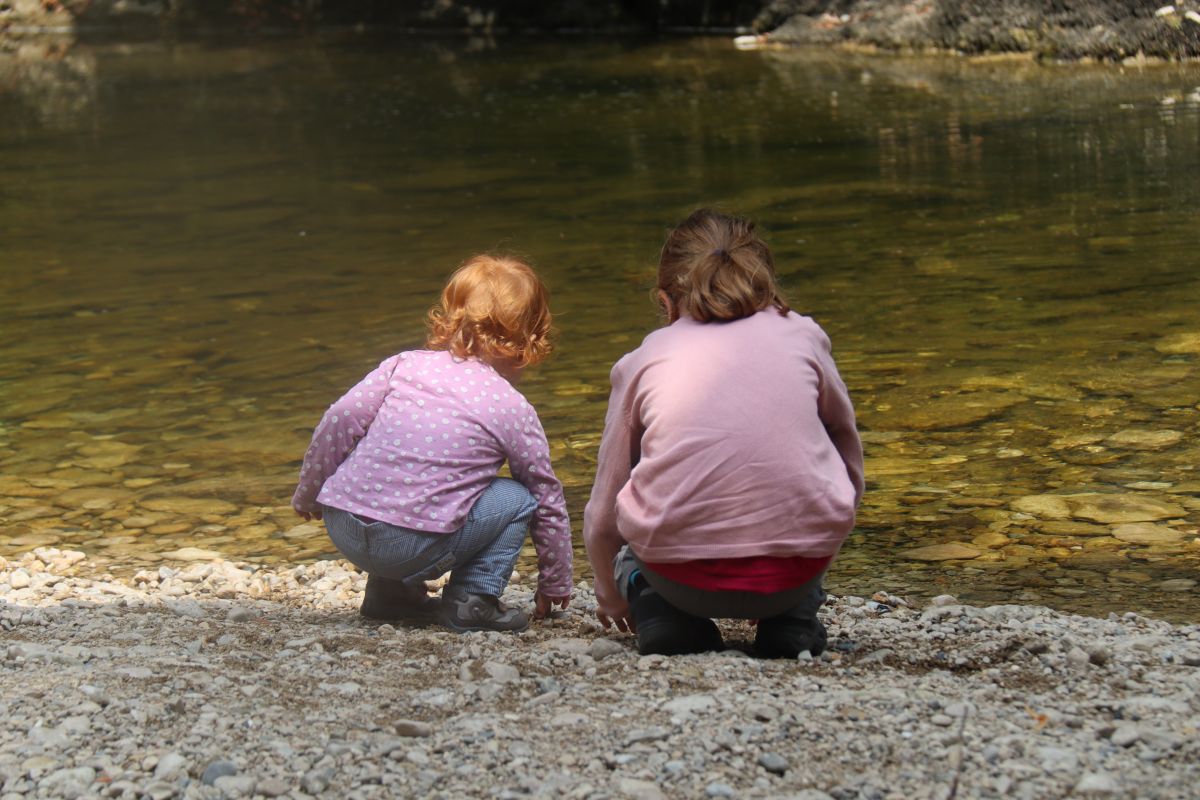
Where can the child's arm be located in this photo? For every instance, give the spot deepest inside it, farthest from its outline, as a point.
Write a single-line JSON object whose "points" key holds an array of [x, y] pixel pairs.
{"points": [[344, 423], [614, 464], [529, 462], [837, 414]]}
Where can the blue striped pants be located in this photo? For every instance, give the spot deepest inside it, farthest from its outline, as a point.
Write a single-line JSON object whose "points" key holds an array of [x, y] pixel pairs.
{"points": [[480, 556]]}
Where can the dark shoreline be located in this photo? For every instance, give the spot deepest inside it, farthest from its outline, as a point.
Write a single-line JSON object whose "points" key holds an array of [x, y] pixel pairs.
{"points": [[1055, 30]]}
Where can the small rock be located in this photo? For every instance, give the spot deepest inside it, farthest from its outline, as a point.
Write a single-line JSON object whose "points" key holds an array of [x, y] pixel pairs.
{"points": [[639, 790], [241, 614], [316, 781], [412, 728], [1143, 439], [773, 763], [1125, 735], [67, 783], [646, 735], [944, 600], [719, 790], [942, 720], [1096, 784], [1177, 585], [19, 579], [273, 787], [236, 785], [603, 648], [159, 790], [1077, 657], [217, 769], [689, 703], [170, 766], [186, 608], [572, 646], [950, 551], [501, 673], [1058, 759], [567, 719], [1147, 533], [762, 712]]}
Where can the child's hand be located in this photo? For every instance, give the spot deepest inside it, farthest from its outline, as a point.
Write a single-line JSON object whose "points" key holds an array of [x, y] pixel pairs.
{"points": [[543, 604], [308, 516], [618, 615]]}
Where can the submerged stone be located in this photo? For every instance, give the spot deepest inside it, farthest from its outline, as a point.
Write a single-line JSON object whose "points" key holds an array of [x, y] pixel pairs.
{"points": [[92, 497], [957, 410], [1106, 508], [1187, 342], [192, 554], [1116, 508], [1142, 439], [990, 539], [1147, 533], [188, 505], [948, 551], [1046, 506]]}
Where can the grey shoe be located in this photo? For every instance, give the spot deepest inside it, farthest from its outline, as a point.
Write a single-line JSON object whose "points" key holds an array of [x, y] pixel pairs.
{"points": [[462, 611]]}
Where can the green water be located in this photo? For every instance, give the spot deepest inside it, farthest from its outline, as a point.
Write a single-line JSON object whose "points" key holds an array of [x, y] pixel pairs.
{"points": [[202, 245]]}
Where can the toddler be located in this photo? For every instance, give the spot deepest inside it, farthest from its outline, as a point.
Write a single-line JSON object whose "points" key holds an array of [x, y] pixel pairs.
{"points": [[730, 467], [403, 467]]}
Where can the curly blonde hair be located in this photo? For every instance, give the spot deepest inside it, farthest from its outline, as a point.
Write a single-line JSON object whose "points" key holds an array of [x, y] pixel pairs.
{"points": [[495, 308]]}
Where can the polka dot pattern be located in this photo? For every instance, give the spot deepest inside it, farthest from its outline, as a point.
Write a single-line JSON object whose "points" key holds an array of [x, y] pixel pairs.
{"points": [[418, 440]]}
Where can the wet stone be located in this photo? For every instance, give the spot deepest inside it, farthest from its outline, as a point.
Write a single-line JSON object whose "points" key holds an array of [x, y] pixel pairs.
{"points": [[949, 551], [1186, 342], [1141, 439], [956, 410], [1147, 533], [990, 539], [93, 497], [1117, 508], [188, 505], [1178, 585]]}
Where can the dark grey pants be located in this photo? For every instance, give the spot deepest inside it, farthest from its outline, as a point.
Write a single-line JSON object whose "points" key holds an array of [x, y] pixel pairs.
{"points": [[801, 602]]}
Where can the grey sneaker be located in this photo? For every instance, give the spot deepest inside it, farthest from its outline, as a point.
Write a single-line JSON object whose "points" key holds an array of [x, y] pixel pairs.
{"points": [[462, 612]]}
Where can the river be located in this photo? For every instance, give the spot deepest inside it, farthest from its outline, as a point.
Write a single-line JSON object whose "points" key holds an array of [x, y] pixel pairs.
{"points": [[203, 243]]}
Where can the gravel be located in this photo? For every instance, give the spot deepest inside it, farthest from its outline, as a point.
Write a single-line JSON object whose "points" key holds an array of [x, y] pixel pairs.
{"points": [[220, 680]]}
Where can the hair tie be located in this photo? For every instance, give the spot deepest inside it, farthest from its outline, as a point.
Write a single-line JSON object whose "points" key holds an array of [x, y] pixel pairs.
{"points": [[722, 252]]}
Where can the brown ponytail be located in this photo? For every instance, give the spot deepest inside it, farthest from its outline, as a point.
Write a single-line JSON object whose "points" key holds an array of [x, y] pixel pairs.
{"points": [[715, 268]]}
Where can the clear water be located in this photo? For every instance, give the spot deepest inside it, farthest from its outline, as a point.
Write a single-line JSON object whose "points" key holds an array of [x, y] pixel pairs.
{"points": [[202, 245]]}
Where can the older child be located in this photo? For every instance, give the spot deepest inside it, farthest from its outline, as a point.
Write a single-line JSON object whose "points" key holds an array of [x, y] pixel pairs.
{"points": [[730, 467], [403, 466]]}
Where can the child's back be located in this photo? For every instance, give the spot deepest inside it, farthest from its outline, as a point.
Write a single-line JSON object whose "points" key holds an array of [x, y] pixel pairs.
{"points": [[403, 466], [735, 457], [730, 467]]}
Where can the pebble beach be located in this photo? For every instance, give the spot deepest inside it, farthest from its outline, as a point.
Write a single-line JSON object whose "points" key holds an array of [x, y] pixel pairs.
{"points": [[221, 679]]}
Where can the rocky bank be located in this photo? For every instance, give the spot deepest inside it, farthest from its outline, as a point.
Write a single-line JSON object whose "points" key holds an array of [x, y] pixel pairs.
{"points": [[212, 679], [1058, 29]]}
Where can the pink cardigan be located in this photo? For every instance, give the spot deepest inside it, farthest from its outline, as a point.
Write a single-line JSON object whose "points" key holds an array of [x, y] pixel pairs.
{"points": [[419, 439], [725, 440]]}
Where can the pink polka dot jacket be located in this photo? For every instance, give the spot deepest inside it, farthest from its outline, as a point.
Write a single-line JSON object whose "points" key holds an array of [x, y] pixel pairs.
{"points": [[419, 439]]}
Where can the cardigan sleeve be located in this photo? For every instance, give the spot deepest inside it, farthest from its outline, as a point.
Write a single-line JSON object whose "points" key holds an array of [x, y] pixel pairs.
{"points": [[619, 448], [344, 423]]}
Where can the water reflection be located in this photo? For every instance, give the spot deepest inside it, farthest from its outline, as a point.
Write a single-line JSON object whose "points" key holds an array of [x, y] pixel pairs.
{"points": [[203, 243]]}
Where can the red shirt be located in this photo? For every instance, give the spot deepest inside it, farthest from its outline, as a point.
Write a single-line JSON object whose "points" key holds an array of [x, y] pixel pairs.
{"points": [[758, 574]]}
